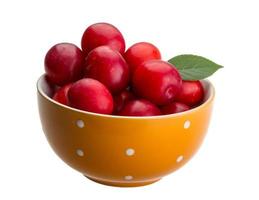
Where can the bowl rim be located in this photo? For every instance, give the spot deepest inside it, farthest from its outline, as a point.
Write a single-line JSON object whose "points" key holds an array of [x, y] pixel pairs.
{"points": [[204, 104]]}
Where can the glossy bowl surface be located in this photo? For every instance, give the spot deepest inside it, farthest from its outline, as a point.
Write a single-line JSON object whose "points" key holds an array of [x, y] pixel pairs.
{"points": [[123, 151]]}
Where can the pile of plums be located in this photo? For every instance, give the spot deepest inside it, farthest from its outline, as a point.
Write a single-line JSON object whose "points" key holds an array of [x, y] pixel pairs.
{"points": [[103, 78]]}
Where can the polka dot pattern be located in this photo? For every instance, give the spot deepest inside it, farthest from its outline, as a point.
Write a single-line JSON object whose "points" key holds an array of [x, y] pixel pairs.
{"points": [[80, 152], [130, 152], [80, 123], [128, 178], [186, 124], [179, 159]]}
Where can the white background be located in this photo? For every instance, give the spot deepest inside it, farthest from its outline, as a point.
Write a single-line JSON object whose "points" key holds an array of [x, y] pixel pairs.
{"points": [[226, 167]]}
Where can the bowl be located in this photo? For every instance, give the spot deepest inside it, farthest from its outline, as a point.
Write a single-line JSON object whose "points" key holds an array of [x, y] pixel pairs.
{"points": [[118, 150]]}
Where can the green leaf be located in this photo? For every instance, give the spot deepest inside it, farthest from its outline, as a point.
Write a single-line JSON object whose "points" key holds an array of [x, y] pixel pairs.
{"points": [[192, 67]]}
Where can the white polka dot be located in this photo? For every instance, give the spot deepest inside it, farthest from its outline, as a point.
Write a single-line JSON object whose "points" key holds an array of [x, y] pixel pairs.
{"points": [[80, 123], [128, 178], [179, 159], [130, 152], [80, 152], [187, 124]]}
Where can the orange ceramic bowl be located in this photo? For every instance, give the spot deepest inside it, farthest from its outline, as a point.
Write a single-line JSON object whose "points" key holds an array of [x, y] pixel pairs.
{"points": [[123, 151]]}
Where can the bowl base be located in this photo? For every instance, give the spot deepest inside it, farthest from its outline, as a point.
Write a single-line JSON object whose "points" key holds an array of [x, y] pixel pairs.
{"points": [[123, 184]]}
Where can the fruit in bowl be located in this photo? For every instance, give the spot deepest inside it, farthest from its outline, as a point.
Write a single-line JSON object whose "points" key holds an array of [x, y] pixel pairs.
{"points": [[63, 63], [106, 112], [162, 78], [140, 107], [109, 67], [123, 150], [140, 52], [90, 95]]}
